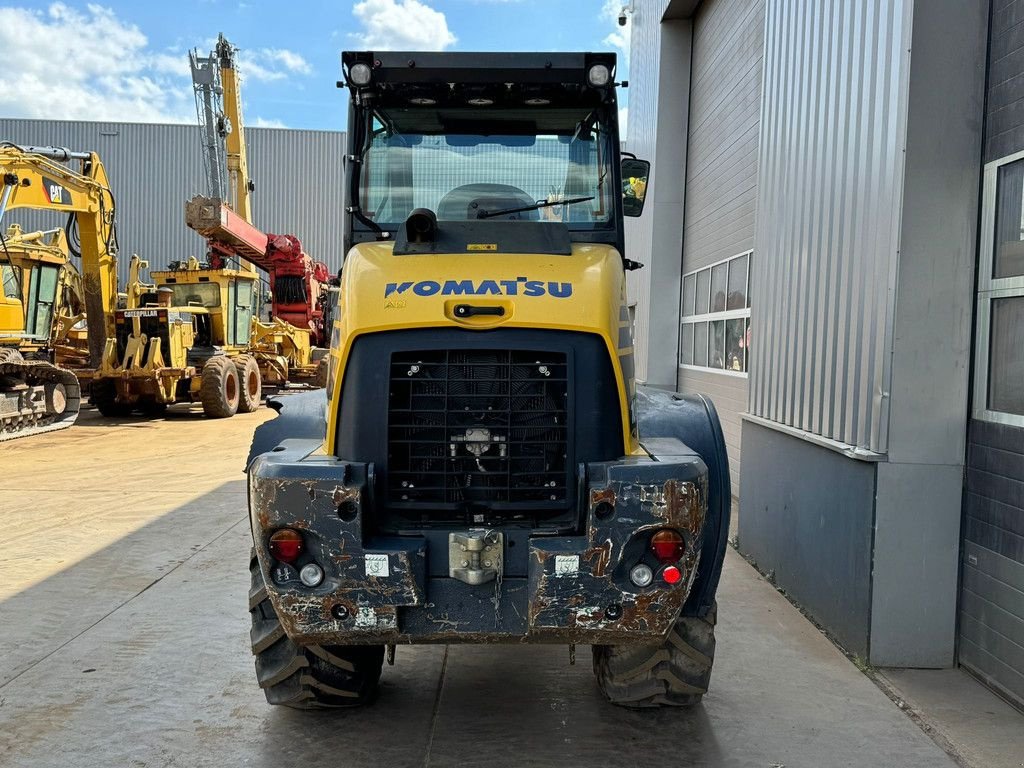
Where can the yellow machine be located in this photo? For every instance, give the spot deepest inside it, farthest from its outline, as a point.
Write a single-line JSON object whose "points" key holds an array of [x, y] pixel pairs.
{"points": [[43, 295], [285, 352], [181, 339], [484, 469]]}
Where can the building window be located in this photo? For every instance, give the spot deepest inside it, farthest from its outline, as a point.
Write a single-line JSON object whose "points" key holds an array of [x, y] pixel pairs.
{"points": [[999, 354], [715, 331]]}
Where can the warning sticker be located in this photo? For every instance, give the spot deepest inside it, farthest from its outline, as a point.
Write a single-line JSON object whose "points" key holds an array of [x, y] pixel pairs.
{"points": [[377, 565], [481, 246]]}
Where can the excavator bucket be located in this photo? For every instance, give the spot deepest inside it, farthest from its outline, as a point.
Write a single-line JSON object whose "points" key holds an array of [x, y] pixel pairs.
{"points": [[35, 397]]}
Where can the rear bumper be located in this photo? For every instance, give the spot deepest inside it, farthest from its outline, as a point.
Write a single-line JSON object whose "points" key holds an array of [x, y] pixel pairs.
{"points": [[571, 589]]}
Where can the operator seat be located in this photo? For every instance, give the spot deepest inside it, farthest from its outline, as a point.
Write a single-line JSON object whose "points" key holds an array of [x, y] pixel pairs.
{"points": [[462, 203]]}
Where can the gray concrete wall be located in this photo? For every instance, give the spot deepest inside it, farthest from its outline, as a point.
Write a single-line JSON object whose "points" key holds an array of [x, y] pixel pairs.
{"points": [[914, 598], [154, 169], [806, 521]]}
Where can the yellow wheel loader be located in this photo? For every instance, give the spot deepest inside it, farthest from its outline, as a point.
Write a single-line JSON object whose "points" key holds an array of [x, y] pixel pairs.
{"points": [[483, 469], [43, 294]]}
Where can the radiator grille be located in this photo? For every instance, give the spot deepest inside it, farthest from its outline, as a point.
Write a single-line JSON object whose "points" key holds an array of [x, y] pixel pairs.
{"points": [[478, 427]]}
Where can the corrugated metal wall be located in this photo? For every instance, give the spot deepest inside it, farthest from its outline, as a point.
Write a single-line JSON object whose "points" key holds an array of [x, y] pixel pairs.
{"points": [[725, 112], [721, 172], [154, 169], [829, 193]]}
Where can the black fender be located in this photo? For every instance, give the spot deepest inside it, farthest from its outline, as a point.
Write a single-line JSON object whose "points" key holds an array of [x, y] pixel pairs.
{"points": [[300, 416], [693, 420]]}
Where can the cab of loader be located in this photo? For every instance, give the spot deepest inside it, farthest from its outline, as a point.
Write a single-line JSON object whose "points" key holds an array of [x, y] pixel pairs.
{"points": [[485, 228]]}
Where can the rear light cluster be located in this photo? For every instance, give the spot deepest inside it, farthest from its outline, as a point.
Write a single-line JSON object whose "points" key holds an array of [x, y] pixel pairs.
{"points": [[668, 547], [286, 546]]}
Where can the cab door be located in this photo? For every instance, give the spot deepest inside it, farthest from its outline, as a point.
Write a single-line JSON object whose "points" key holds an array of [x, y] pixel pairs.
{"points": [[243, 300], [12, 312], [42, 298]]}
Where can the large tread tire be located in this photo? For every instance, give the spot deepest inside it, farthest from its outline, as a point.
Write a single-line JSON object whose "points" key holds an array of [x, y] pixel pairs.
{"points": [[307, 677], [103, 394], [11, 355], [674, 674], [152, 409], [219, 391], [250, 383]]}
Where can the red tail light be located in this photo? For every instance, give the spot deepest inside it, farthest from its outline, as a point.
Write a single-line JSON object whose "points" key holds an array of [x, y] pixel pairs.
{"points": [[672, 575], [668, 546], [286, 545]]}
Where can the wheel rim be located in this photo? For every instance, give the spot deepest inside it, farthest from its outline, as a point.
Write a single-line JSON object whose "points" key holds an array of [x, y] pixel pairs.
{"points": [[253, 384], [231, 389]]}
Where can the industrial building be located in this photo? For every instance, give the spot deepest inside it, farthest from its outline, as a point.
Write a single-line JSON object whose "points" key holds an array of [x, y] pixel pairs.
{"points": [[835, 234], [154, 169]]}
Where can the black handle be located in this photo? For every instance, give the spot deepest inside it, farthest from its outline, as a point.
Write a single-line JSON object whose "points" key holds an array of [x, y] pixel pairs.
{"points": [[468, 310]]}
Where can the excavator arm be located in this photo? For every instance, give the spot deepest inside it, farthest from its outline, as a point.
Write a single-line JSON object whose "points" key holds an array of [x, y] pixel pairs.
{"points": [[38, 178]]}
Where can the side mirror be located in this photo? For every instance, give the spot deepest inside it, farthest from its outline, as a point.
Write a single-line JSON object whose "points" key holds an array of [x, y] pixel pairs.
{"points": [[634, 185]]}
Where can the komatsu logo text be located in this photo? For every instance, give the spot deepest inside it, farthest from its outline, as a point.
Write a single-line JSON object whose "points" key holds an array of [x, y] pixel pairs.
{"points": [[518, 287]]}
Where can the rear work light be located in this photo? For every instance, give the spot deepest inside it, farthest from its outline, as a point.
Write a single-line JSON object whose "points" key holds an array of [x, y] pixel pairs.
{"points": [[286, 545], [668, 546]]}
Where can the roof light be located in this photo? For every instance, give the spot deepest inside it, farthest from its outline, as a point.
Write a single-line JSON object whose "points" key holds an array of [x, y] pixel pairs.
{"points": [[422, 101], [599, 75], [537, 102], [480, 102], [360, 74]]}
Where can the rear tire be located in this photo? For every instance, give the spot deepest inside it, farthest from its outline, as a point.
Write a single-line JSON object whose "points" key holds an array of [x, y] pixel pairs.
{"points": [[674, 674], [103, 393], [219, 389], [307, 677], [250, 384]]}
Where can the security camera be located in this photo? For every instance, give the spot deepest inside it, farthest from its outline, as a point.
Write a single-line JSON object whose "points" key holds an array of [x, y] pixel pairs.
{"points": [[622, 17]]}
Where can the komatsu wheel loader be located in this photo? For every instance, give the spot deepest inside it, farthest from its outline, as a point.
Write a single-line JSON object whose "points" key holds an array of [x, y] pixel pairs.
{"points": [[42, 290], [483, 469]]}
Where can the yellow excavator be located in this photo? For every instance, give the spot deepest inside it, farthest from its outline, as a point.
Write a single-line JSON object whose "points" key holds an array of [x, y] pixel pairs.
{"points": [[43, 294]]}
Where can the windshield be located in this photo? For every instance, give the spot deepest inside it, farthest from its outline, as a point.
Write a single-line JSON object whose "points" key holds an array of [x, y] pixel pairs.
{"points": [[196, 294], [562, 155]]}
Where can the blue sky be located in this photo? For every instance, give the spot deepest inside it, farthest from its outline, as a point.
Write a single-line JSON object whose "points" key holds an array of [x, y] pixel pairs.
{"points": [[127, 60]]}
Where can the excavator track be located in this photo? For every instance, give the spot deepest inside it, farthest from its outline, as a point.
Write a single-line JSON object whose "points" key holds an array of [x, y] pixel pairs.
{"points": [[36, 397]]}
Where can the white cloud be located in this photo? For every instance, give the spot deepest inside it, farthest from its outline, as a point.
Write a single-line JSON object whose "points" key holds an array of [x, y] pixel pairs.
{"points": [[261, 122], [400, 25], [270, 64], [88, 65], [619, 37]]}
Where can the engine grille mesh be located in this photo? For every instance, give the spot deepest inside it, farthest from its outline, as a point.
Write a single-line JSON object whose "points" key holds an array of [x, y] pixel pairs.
{"points": [[478, 427]]}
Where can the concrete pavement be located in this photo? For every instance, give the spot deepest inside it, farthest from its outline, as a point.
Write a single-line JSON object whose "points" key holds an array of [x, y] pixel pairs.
{"points": [[124, 642]]}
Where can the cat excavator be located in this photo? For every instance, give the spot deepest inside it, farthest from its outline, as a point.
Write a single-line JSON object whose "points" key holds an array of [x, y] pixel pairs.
{"points": [[43, 293]]}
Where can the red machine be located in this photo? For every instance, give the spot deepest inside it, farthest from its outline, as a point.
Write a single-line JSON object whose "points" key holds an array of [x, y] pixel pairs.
{"points": [[298, 284]]}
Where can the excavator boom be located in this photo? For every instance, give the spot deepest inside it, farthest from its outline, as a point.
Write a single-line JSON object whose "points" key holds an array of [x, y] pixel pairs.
{"points": [[35, 395]]}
